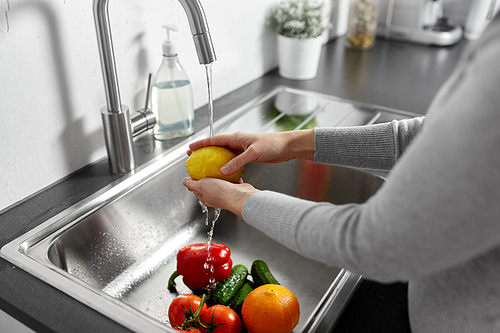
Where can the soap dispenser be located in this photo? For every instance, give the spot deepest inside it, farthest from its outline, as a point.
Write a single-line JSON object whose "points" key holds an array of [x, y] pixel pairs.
{"points": [[172, 98]]}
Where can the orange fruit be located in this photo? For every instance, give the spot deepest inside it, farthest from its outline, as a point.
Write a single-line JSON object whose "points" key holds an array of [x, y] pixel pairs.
{"points": [[270, 309]]}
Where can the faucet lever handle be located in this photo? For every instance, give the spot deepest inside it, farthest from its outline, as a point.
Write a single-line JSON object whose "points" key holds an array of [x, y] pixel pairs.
{"points": [[148, 92], [144, 119]]}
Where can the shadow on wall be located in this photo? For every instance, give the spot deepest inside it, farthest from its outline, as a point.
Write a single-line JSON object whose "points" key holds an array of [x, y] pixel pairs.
{"points": [[269, 43], [142, 66], [73, 138]]}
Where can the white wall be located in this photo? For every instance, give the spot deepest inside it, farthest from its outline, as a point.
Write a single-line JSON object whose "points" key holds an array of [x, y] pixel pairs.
{"points": [[51, 87]]}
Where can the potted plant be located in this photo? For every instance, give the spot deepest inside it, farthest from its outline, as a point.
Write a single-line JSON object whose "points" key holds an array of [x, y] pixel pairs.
{"points": [[299, 24]]}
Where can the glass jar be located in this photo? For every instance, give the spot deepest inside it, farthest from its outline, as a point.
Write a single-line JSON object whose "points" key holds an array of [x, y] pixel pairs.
{"points": [[362, 25]]}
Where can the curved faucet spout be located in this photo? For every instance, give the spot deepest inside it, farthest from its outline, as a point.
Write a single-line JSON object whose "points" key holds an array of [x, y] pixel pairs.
{"points": [[116, 119], [199, 28]]}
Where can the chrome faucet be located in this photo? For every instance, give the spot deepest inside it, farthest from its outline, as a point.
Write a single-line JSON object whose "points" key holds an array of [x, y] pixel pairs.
{"points": [[119, 127]]}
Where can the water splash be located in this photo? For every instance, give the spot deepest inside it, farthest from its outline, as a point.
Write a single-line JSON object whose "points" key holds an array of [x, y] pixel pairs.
{"points": [[204, 209], [210, 234]]}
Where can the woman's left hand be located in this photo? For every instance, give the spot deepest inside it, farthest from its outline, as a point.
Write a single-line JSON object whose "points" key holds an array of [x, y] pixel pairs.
{"points": [[219, 193]]}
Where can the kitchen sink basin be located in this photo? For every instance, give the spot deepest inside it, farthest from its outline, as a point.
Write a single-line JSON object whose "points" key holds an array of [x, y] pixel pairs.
{"points": [[115, 250]]}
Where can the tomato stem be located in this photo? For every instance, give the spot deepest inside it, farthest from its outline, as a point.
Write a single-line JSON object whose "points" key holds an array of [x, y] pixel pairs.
{"points": [[195, 317], [202, 302]]}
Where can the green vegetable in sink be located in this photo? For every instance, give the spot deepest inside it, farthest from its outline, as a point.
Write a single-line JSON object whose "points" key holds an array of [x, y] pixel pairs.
{"points": [[290, 122], [226, 289], [237, 301], [261, 274]]}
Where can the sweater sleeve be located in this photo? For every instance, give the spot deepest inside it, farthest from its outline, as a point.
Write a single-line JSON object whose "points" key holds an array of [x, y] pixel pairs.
{"points": [[376, 147], [440, 204]]}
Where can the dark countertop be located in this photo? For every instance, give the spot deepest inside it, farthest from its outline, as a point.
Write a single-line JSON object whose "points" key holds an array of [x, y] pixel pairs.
{"points": [[396, 75]]}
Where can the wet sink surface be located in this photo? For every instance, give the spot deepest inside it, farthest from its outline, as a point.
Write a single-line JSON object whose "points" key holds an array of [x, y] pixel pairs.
{"points": [[115, 250]]}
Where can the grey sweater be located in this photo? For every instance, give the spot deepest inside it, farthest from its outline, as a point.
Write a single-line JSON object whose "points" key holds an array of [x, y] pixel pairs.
{"points": [[436, 221]]}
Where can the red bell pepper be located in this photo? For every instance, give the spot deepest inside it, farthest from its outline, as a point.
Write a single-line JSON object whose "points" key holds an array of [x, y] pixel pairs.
{"points": [[198, 272]]}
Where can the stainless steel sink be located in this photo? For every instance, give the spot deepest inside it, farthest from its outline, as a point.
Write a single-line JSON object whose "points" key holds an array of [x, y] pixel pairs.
{"points": [[115, 250]]}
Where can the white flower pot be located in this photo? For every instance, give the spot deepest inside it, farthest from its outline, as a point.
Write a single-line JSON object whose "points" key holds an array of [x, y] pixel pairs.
{"points": [[299, 58]]}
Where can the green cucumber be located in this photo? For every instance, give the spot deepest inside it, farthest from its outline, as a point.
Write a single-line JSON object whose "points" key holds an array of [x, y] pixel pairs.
{"points": [[261, 274], [237, 301], [226, 289]]}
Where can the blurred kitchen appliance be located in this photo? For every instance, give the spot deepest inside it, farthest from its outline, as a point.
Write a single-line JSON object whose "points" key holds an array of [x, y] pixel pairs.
{"points": [[480, 14], [339, 15], [417, 21]]}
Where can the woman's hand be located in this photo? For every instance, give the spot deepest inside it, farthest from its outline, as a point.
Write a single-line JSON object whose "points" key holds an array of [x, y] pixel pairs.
{"points": [[219, 193], [267, 147]]}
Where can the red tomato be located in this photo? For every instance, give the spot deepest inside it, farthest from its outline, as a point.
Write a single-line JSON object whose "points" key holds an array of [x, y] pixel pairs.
{"points": [[182, 308], [224, 319], [191, 330]]}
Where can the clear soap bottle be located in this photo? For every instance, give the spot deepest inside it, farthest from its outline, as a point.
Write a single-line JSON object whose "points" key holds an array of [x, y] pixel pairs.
{"points": [[172, 98]]}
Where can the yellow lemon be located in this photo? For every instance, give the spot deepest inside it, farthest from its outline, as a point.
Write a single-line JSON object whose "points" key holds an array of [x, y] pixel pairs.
{"points": [[207, 161]]}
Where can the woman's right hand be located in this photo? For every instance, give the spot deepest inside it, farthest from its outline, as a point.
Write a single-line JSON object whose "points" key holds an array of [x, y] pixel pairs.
{"points": [[263, 147], [213, 192]]}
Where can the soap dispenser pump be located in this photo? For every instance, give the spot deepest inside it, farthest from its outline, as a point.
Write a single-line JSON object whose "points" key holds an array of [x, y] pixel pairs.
{"points": [[172, 94]]}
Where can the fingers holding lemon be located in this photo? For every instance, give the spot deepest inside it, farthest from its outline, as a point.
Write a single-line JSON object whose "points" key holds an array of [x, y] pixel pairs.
{"points": [[207, 161]]}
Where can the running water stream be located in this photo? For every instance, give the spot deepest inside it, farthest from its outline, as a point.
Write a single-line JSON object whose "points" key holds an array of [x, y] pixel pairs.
{"points": [[208, 69], [204, 209]]}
